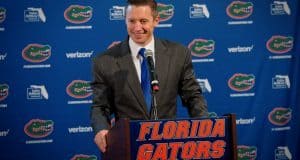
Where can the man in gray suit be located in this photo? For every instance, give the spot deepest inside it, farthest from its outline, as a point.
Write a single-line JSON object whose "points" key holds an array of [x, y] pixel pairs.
{"points": [[117, 75]]}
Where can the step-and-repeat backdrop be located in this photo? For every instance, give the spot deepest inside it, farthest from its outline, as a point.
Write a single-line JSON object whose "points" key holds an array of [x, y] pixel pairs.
{"points": [[245, 54]]}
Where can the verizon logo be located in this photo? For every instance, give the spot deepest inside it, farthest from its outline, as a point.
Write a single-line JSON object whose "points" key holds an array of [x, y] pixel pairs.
{"points": [[4, 133], [78, 54], [80, 129], [240, 49], [3, 56]]}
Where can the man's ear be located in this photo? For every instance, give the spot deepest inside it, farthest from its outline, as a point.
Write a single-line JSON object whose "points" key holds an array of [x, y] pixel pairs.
{"points": [[156, 20]]}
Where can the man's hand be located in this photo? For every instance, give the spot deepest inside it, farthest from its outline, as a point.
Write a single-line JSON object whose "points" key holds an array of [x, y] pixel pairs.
{"points": [[100, 140]]}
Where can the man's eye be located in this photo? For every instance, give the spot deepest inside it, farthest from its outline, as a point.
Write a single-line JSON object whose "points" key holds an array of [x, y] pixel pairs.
{"points": [[131, 21], [143, 21]]}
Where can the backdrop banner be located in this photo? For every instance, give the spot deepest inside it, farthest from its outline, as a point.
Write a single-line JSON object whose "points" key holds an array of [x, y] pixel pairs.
{"points": [[245, 55]]}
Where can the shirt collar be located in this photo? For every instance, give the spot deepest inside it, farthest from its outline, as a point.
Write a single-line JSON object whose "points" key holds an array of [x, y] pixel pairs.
{"points": [[134, 47]]}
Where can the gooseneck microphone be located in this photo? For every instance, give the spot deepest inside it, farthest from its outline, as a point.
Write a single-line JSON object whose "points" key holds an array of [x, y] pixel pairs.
{"points": [[153, 75]]}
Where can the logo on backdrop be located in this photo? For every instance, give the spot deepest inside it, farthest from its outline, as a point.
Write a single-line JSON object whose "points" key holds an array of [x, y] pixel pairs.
{"points": [[84, 157], [32, 14], [79, 89], [36, 53], [240, 49], [199, 11], [4, 133], [241, 83], [239, 10], [205, 86], [2, 14], [77, 14], [38, 128], [247, 152], [80, 129], [117, 13], [166, 12], [280, 8], [281, 82], [37, 92], [3, 91], [77, 54], [3, 56], [212, 115], [201, 48], [280, 116], [283, 153], [2, 17], [245, 121], [280, 45]]}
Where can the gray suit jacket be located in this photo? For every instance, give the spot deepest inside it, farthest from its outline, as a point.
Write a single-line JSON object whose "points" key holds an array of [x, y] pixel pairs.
{"points": [[117, 89]]}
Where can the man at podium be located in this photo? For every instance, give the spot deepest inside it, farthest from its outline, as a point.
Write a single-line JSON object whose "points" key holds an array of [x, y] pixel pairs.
{"points": [[122, 86]]}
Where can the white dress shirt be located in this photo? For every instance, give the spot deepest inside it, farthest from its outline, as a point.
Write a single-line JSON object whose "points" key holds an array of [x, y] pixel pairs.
{"points": [[137, 59]]}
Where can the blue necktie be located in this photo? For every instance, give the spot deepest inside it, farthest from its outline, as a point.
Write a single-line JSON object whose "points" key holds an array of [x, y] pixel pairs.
{"points": [[145, 79]]}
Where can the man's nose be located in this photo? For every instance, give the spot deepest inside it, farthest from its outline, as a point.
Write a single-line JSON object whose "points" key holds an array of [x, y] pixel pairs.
{"points": [[138, 26]]}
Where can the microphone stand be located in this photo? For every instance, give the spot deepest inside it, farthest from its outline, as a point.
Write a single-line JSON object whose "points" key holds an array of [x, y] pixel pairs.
{"points": [[154, 90], [154, 104]]}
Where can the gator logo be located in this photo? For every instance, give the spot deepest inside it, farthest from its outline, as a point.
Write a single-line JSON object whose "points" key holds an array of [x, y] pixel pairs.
{"points": [[37, 128], [79, 89], [2, 14], [246, 152], [78, 14], [241, 82], [239, 10], [84, 157], [280, 44], [3, 91], [165, 12], [202, 47], [280, 116], [36, 53], [212, 115]]}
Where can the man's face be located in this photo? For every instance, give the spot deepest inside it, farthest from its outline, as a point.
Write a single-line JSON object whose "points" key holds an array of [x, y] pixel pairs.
{"points": [[140, 23]]}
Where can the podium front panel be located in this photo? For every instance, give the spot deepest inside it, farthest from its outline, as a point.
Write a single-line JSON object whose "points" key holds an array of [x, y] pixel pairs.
{"points": [[207, 138]]}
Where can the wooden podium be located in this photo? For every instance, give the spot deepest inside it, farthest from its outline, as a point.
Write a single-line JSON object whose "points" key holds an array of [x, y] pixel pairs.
{"points": [[203, 138]]}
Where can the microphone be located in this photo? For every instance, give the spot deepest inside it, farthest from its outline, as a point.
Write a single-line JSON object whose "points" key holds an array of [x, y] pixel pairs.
{"points": [[153, 75]]}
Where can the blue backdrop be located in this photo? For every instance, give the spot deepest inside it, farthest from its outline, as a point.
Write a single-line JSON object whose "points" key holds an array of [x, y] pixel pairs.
{"points": [[245, 54]]}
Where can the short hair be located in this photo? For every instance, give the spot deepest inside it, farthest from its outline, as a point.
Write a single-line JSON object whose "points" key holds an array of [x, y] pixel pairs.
{"points": [[151, 3]]}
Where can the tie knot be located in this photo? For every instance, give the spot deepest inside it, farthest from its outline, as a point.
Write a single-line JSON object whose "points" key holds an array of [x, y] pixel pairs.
{"points": [[142, 52]]}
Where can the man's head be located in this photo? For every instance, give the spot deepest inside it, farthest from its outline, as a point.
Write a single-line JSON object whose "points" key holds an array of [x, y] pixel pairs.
{"points": [[141, 19]]}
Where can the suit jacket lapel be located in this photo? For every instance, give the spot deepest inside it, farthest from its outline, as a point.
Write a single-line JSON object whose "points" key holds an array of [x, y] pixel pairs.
{"points": [[125, 63], [162, 64]]}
